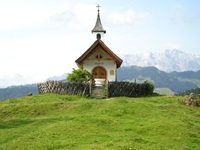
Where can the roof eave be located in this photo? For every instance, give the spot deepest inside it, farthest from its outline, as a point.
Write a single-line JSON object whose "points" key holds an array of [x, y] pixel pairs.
{"points": [[94, 30]]}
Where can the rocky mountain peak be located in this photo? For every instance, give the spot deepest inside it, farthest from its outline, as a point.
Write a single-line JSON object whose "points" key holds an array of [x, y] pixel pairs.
{"points": [[169, 60]]}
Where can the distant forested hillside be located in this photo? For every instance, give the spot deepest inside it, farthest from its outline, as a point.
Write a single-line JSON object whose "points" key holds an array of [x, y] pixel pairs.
{"points": [[195, 91], [176, 81], [18, 91]]}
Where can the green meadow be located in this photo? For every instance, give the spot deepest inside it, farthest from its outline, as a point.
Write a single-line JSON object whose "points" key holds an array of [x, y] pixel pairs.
{"points": [[51, 121]]}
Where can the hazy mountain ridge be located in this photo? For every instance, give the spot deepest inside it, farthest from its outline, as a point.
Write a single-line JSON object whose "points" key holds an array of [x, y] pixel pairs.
{"points": [[58, 78], [18, 91], [168, 61]]}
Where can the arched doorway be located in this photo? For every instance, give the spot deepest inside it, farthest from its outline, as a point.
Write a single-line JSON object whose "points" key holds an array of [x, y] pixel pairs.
{"points": [[99, 73]]}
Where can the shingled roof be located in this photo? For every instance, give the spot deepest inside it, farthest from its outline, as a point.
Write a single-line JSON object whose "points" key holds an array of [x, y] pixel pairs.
{"points": [[98, 26]]}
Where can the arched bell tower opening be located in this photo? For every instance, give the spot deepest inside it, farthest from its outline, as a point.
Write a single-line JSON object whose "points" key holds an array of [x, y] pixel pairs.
{"points": [[98, 36]]}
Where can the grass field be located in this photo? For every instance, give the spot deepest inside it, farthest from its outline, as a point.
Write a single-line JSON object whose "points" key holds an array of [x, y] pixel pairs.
{"points": [[51, 121]]}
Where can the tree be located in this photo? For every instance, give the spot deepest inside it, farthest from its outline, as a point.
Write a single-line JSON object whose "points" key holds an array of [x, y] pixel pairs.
{"points": [[150, 87], [79, 75]]}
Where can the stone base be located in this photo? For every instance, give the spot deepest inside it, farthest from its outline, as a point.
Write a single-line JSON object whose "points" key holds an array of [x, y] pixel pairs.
{"points": [[98, 92]]}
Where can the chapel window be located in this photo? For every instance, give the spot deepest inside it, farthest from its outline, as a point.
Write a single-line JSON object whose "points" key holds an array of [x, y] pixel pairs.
{"points": [[112, 72], [99, 56]]}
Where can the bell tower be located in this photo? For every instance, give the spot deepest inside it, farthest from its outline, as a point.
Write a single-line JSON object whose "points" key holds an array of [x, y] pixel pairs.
{"points": [[98, 28]]}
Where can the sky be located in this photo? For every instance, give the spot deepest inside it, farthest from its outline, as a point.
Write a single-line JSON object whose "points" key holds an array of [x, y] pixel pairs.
{"points": [[43, 38]]}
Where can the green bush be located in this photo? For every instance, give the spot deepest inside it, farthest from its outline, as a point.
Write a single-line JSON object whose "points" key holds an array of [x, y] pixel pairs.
{"points": [[79, 75]]}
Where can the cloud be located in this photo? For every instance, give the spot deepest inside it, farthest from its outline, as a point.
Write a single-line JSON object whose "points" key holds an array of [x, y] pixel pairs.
{"points": [[14, 79], [172, 45], [180, 14], [19, 17], [127, 17], [28, 14], [78, 17]]}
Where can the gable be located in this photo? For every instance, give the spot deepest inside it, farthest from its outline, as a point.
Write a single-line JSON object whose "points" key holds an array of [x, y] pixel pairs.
{"points": [[99, 53], [98, 50]]}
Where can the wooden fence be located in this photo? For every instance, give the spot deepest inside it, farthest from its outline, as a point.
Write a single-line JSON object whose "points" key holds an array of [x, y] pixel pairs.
{"points": [[128, 89], [60, 87]]}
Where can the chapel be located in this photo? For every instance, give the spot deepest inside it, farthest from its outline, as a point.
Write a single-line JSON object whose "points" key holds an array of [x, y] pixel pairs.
{"points": [[99, 59]]}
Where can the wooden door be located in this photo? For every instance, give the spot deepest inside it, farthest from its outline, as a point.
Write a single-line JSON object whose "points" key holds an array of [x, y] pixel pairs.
{"points": [[99, 73]]}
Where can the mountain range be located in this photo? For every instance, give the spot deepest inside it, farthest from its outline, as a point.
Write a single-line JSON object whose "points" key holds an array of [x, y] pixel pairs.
{"points": [[164, 82], [168, 61], [175, 81]]}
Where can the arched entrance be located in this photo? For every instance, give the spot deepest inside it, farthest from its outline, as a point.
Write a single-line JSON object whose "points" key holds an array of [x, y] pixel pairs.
{"points": [[99, 73]]}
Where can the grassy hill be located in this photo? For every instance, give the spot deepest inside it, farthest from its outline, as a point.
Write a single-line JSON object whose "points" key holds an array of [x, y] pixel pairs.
{"points": [[54, 121]]}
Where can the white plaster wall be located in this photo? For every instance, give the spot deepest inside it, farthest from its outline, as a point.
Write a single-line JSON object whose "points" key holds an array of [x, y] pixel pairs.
{"points": [[109, 65]]}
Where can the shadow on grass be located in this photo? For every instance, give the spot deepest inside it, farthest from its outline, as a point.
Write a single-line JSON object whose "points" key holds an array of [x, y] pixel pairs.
{"points": [[14, 123]]}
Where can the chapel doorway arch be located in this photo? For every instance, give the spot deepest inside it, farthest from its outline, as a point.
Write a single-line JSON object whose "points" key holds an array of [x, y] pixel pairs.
{"points": [[99, 73]]}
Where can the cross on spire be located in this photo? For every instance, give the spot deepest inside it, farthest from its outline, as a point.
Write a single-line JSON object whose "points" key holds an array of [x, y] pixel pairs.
{"points": [[98, 7]]}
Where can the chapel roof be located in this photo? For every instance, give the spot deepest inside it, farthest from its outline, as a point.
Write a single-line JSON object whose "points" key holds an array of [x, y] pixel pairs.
{"points": [[98, 26], [93, 48]]}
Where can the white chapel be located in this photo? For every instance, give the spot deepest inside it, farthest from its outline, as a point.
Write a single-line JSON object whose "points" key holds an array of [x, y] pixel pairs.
{"points": [[98, 59]]}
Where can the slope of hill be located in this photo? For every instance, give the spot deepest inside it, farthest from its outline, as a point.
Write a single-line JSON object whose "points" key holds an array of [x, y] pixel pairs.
{"points": [[161, 79], [53, 121], [169, 60]]}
